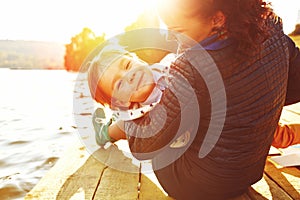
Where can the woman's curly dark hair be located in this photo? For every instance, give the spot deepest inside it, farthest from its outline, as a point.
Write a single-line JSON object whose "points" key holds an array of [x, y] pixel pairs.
{"points": [[245, 20]]}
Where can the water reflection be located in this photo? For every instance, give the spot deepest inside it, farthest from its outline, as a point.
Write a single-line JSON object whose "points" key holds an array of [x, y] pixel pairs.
{"points": [[36, 126]]}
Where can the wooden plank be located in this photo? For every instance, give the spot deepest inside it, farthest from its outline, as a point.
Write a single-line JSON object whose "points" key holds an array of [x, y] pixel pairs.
{"points": [[150, 187], [254, 195], [291, 114], [267, 189], [292, 174], [74, 176], [244, 196], [108, 174], [115, 184], [294, 107], [150, 191], [120, 180], [286, 178]]}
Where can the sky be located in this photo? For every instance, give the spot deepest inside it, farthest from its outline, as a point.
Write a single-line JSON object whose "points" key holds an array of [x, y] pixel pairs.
{"points": [[59, 20], [288, 10]]}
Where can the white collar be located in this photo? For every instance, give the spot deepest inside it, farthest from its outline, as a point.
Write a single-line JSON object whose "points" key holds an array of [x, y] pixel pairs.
{"points": [[126, 115]]}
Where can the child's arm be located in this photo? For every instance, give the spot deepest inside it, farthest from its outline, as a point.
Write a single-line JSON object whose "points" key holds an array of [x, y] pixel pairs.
{"points": [[116, 131]]}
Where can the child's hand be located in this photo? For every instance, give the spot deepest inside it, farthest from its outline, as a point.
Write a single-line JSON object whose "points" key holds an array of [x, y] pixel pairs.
{"points": [[101, 123]]}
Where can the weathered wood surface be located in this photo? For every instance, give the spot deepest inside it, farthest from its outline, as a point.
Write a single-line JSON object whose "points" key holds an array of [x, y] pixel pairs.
{"points": [[287, 178], [266, 188], [291, 114], [79, 175], [74, 174], [114, 183]]}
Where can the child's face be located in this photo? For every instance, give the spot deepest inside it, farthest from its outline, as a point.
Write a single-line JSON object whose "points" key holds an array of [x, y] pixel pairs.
{"points": [[127, 80]]}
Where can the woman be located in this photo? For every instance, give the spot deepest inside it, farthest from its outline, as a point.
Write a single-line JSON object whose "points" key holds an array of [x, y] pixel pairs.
{"points": [[260, 70]]}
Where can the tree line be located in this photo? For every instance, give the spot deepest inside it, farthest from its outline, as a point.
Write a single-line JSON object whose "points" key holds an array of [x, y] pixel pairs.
{"points": [[83, 43], [296, 32]]}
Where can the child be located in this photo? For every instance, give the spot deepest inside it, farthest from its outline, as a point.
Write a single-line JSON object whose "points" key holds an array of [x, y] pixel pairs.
{"points": [[128, 85]]}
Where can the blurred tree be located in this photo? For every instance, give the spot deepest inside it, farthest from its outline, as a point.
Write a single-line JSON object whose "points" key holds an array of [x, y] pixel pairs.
{"points": [[81, 45], [296, 31], [148, 19]]}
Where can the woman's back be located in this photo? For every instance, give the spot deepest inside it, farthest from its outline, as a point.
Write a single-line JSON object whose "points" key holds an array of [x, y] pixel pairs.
{"points": [[255, 94]]}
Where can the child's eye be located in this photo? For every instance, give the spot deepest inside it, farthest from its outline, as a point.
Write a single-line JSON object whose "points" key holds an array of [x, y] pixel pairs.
{"points": [[118, 84], [128, 65]]}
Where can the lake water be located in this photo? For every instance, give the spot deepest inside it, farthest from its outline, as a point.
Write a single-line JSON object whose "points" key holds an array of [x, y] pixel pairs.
{"points": [[36, 126]]}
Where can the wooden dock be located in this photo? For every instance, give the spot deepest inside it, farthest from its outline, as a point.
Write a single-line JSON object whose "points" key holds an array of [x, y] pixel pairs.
{"points": [[79, 175]]}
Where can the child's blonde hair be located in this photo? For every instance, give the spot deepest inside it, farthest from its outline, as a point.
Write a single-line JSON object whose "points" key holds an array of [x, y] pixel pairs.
{"points": [[110, 53]]}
